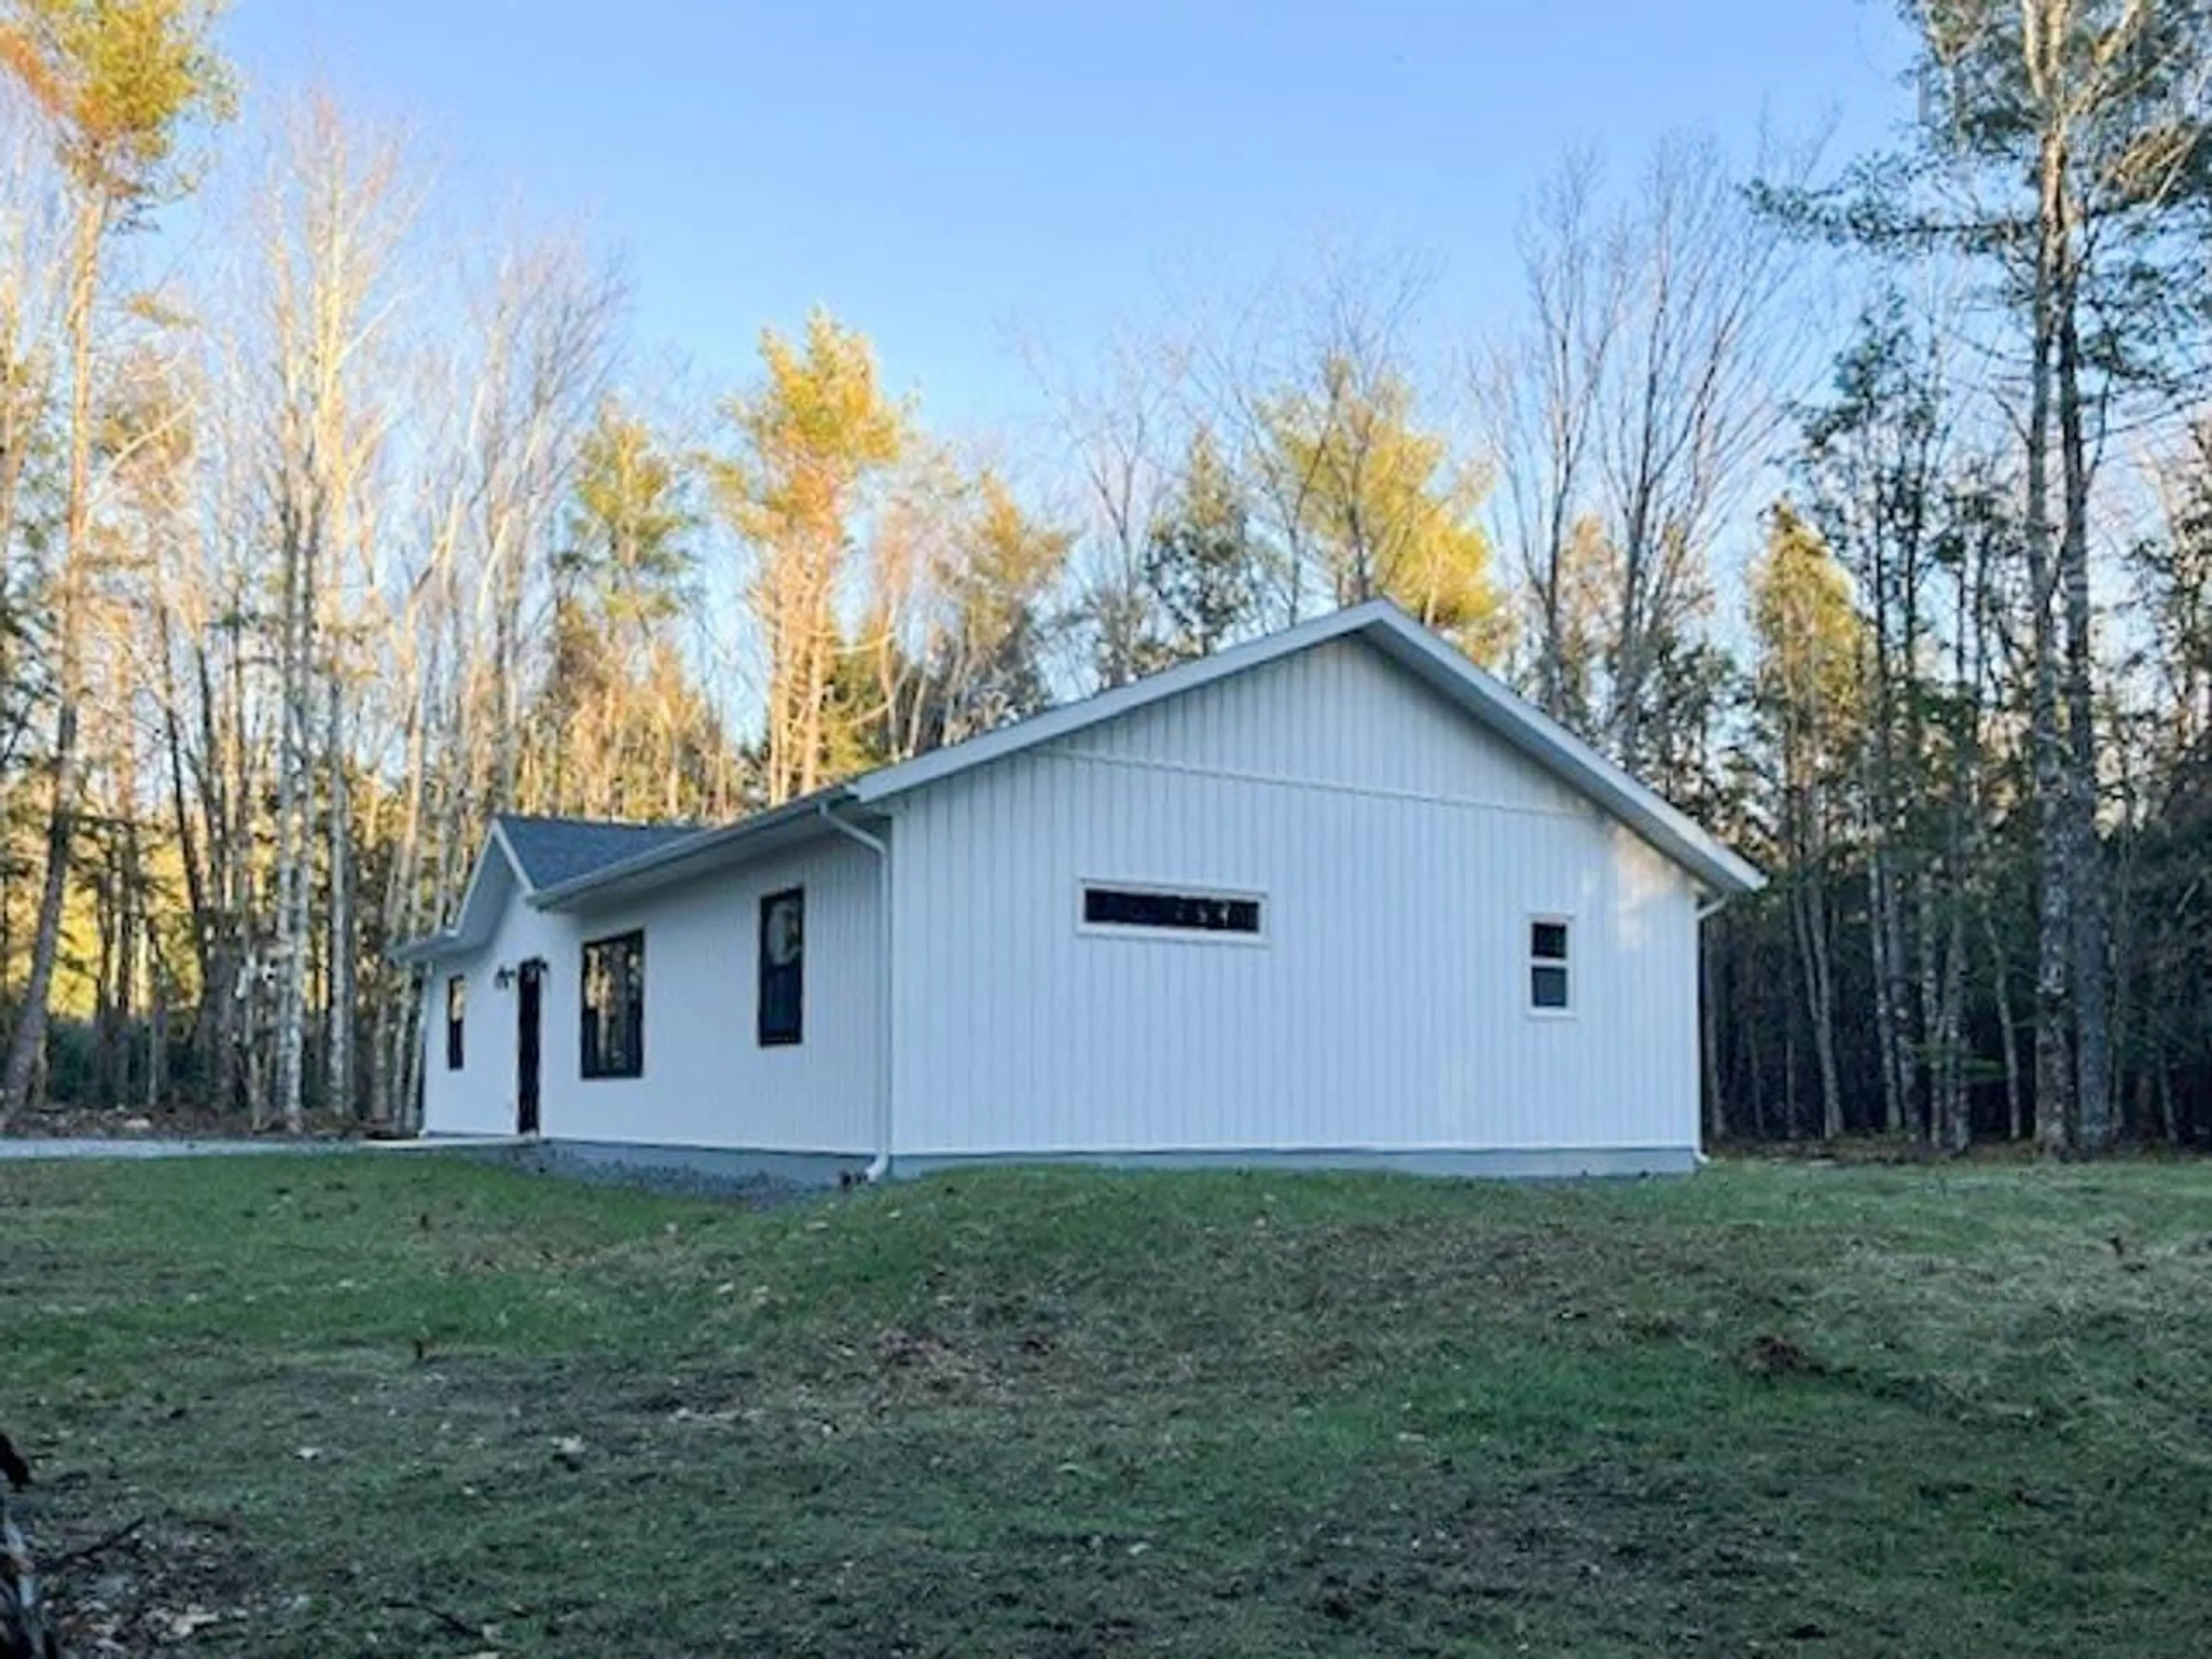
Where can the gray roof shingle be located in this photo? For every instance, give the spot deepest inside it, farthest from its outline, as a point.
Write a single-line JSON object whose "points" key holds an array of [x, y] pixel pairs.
{"points": [[555, 850]]}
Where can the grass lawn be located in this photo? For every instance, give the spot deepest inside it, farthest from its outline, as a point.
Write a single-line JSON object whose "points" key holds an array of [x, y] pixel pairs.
{"points": [[403, 1405]]}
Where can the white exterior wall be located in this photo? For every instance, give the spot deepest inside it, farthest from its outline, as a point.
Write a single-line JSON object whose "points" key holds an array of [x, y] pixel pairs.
{"points": [[479, 1098], [706, 1081], [1402, 854]]}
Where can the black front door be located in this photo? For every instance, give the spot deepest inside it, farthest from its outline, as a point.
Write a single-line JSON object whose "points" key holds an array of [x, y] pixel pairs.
{"points": [[528, 1012]]}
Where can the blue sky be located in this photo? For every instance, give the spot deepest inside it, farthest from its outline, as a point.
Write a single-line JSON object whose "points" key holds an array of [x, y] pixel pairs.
{"points": [[951, 177]]}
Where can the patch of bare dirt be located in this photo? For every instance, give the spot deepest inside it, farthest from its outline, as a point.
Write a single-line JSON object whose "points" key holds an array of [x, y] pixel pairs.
{"points": [[146, 1584], [1769, 1355]]}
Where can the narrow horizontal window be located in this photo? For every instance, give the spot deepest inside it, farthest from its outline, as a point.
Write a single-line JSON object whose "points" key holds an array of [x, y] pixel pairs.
{"points": [[1169, 913], [1550, 988]]}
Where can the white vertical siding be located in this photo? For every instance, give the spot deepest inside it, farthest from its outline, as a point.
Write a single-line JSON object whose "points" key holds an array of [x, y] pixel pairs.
{"points": [[1400, 850], [479, 1099], [1402, 854], [1339, 712], [706, 1081]]}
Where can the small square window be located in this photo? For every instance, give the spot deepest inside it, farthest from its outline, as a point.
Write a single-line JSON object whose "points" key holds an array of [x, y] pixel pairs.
{"points": [[1550, 988]]}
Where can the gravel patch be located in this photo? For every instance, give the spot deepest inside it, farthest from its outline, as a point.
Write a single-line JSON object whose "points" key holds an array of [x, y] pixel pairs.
{"points": [[754, 1190]]}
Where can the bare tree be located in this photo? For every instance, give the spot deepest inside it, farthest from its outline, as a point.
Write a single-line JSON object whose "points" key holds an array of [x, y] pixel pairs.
{"points": [[1124, 431], [333, 224], [1540, 394], [545, 325], [1638, 399], [2077, 139]]}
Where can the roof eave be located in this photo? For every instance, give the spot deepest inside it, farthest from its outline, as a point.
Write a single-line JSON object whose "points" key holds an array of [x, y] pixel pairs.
{"points": [[515, 863], [459, 938], [429, 948], [1644, 812], [1543, 740], [708, 849], [1105, 706]]}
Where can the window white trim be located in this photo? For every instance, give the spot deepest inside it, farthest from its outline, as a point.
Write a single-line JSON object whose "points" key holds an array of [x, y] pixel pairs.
{"points": [[1570, 964], [1171, 935]]}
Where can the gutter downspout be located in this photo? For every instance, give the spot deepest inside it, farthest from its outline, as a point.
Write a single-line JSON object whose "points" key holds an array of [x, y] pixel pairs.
{"points": [[881, 1164]]}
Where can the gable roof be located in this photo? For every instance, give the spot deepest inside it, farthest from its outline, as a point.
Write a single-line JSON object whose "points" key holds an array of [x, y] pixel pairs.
{"points": [[535, 853], [548, 851], [1477, 693]]}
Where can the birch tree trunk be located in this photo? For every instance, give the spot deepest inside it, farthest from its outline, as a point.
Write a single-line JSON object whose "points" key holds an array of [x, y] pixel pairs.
{"points": [[400, 915], [27, 1047], [290, 950], [2090, 923], [2056, 1093], [1881, 940], [343, 948]]}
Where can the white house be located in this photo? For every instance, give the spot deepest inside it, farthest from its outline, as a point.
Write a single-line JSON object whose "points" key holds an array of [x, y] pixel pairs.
{"points": [[1332, 897]]}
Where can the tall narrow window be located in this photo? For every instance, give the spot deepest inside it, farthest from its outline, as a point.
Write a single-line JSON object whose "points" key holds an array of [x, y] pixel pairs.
{"points": [[457, 995], [1551, 989], [614, 1006], [782, 967]]}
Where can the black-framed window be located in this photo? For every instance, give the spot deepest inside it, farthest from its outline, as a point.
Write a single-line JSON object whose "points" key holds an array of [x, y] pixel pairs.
{"points": [[457, 999], [1550, 988], [782, 1013], [1147, 910], [614, 1006]]}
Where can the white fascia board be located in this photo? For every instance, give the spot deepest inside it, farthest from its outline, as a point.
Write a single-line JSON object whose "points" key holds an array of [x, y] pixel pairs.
{"points": [[470, 929], [1414, 647], [696, 855], [1542, 739], [1070, 717], [1568, 758]]}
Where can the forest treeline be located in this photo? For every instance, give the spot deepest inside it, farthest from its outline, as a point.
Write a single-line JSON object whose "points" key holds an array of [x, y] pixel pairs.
{"points": [[321, 545]]}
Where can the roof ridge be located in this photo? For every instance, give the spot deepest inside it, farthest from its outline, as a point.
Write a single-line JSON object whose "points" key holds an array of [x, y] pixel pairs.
{"points": [[1480, 696]]}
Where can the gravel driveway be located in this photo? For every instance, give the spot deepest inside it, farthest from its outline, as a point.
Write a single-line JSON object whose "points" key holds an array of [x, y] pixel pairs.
{"points": [[31, 1149]]}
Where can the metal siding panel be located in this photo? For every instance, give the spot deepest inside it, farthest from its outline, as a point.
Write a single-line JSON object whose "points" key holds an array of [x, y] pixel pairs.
{"points": [[1338, 712], [1386, 1009], [707, 1081], [479, 1099]]}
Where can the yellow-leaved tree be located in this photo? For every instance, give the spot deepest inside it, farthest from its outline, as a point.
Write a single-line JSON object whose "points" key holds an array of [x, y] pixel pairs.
{"points": [[118, 83], [1383, 506], [621, 728], [988, 666], [815, 436]]}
